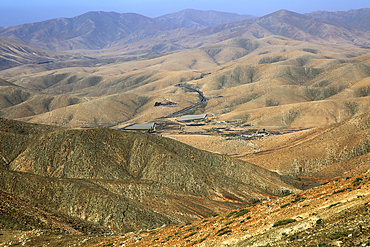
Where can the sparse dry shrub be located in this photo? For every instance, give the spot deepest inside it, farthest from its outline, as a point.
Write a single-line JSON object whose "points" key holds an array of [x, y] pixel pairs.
{"points": [[95, 121], [314, 93], [73, 101], [239, 75], [338, 234], [290, 116], [367, 123], [302, 61], [264, 52], [362, 148], [242, 212], [141, 100], [311, 94], [30, 108], [70, 117], [283, 222], [271, 102], [46, 103], [362, 91], [246, 117], [313, 51], [322, 83], [298, 75], [351, 108], [243, 100], [274, 59]]}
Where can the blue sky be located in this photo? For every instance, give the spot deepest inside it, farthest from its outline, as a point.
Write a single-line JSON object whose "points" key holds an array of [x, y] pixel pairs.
{"points": [[15, 12]]}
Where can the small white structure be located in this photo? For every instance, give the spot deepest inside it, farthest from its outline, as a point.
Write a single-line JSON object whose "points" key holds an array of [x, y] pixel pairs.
{"points": [[143, 127], [188, 118]]}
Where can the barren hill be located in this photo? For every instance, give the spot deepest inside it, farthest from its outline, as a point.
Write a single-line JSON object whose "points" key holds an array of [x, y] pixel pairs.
{"points": [[288, 24], [356, 18], [136, 34], [285, 94], [270, 82], [197, 19], [93, 30], [331, 215], [14, 53], [110, 178]]}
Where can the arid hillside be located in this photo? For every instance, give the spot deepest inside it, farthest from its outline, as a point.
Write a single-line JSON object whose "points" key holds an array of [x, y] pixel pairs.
{"points": [[126, 181], [330, 215], [197, 19], [358, 18], [287, 103], [272, 82], [134, 34], [338, 150], [14, 53]]}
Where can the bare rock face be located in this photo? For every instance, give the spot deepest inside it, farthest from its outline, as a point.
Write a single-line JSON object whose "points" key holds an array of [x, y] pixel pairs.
{"points": [[126, 181]]}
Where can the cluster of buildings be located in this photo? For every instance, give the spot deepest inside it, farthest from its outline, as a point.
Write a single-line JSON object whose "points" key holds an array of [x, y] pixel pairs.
{"points": [[150, 127]]}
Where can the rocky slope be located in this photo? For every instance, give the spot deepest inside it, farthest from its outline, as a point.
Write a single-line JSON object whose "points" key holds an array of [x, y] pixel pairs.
{"points": [[197, 19], [333, 214], [14, 53], [93, 30], [126, 181], [358, 18], [144, 35], [330, 215]]}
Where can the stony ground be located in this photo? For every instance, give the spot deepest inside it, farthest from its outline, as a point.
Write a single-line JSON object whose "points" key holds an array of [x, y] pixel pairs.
{"points": [[334, 214]]}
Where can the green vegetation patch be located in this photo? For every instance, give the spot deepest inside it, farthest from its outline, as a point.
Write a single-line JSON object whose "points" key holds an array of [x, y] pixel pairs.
{"points": [[242, 212], [338, 234], [334, 204], [283, 222], [222, 229], [231, 213], [224, 232], [357, 181], [298, 199], [285, 205], [339, 191], [191, 234]]}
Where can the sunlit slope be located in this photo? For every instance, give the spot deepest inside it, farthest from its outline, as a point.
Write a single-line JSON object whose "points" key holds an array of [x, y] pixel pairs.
{"points": [[126, 181], [337, 150], [271, 82]]}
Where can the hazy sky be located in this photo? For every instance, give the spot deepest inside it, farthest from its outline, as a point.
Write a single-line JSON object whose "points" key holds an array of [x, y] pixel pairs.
{"points": [[15, 12]]}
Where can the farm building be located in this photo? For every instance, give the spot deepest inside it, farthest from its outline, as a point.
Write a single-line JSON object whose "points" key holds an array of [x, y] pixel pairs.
{"points": [[189, 118], [143, 127]]}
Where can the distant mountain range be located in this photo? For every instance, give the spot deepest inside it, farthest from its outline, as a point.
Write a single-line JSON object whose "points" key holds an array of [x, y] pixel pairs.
{"points": [[197, 19], [355, 18], [98, 30]]}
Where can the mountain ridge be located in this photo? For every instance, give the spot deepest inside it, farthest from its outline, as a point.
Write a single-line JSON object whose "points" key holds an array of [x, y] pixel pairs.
{"points": [[197, 19], [98, 30]]}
